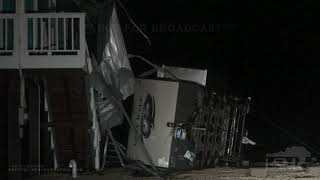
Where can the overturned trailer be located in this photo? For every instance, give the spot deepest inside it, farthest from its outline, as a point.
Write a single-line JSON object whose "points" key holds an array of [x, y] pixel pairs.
{"points": [[184, 124], [225, 117]]}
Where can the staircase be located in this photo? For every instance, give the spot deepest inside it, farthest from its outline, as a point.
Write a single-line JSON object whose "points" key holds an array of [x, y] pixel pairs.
{"points": [[69, 113]]}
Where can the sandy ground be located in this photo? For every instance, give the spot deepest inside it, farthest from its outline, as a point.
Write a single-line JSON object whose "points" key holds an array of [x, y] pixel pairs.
{"points": [[207, 174]]}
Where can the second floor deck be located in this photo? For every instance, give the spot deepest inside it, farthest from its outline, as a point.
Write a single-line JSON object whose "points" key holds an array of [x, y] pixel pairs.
{"points": [[42, 40]]}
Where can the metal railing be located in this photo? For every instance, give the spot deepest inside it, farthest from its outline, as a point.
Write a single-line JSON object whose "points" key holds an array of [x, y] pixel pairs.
{"points": [[54, 33], [8, 37], [42, 40]]}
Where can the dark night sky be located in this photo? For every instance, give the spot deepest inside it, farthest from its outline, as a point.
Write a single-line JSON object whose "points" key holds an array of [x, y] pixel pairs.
{"points": [[267, 51]]}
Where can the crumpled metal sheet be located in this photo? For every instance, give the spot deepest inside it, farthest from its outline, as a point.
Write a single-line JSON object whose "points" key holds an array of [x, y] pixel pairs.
{"points": [[110, 115], [115, 65], [113, 78], [106, 96], [246, 140], [96, 135], [194, 75]]}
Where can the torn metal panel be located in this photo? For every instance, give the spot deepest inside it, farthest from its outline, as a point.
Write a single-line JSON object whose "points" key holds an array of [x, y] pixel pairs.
{"points": [[115, 63], [95, 130], [112, 78], [194, 75], [246, 140], [108, 112]]}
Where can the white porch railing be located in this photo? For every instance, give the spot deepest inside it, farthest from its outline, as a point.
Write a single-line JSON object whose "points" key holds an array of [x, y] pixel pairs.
{"points": [[46, 40], [8, 40]]}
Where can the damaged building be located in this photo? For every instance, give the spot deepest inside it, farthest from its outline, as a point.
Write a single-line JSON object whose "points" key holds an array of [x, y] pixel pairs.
{"points": [[75, 107]]}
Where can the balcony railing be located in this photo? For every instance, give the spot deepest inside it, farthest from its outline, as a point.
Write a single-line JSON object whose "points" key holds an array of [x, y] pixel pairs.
{"points": [[8, 40], [46, 40]]}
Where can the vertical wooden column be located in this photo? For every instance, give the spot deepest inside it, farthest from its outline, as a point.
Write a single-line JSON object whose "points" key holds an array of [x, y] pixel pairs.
{"points": [[4, 118], [14, 144], [44, 132], [34, 120]]}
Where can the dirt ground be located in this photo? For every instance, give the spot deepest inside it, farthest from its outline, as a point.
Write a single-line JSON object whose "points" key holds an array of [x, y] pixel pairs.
{"points": [[206, 174]]}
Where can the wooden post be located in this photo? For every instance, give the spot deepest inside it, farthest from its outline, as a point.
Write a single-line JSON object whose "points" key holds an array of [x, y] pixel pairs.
{"points": [[34, 123], [14, 144]]}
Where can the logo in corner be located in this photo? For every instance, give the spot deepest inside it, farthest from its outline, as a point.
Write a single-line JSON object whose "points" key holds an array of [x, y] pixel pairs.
{"points": [[148, 114]]}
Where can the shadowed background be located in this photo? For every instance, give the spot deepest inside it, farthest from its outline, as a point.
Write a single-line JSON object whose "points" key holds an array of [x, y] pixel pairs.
{"points": [[265, 50]]}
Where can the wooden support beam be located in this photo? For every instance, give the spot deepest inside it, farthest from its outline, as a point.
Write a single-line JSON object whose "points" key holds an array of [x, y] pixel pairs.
{"points": [[14, 144], [34, 124]]}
